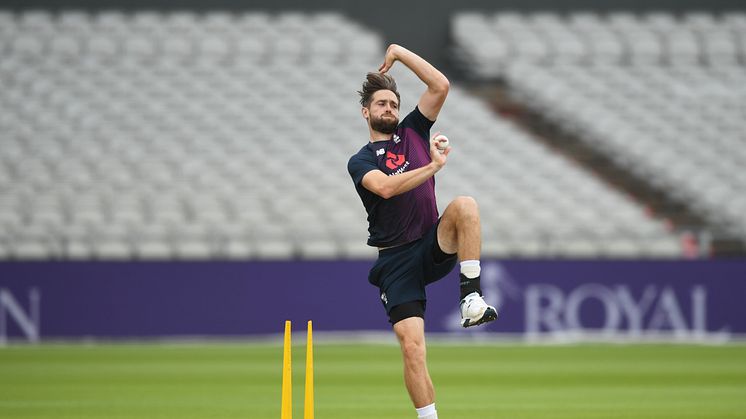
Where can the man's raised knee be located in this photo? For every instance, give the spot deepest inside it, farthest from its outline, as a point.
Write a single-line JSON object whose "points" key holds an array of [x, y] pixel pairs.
{"points": [[466, 205]]}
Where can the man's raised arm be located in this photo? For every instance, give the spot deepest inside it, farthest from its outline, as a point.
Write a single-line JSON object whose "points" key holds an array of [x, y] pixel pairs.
{"points": [[437, 84]]}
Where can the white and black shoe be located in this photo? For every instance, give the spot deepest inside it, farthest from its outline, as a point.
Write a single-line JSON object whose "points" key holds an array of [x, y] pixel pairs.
{"points": [[474, 311]]}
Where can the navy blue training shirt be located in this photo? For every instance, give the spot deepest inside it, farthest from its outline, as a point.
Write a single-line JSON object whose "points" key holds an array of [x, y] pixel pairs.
{"points": [[405, 217]]}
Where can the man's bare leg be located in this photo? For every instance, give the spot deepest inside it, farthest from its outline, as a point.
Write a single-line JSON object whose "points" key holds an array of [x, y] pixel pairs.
{"points": [[460, 232], [411, 335]]}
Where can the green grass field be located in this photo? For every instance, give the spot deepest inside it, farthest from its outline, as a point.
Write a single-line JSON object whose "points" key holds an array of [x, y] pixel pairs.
{"points": [[242, 380]]}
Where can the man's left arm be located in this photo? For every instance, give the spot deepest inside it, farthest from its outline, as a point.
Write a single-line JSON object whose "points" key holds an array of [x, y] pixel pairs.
{"points": [[437, 84]]}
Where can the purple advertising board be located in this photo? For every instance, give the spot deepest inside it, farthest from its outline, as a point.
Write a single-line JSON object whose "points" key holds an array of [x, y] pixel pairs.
{"points": [[700, 300]]}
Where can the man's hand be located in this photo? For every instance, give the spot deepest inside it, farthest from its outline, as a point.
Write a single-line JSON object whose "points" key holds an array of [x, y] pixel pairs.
{"points": [[439, 158], [389, 59]]}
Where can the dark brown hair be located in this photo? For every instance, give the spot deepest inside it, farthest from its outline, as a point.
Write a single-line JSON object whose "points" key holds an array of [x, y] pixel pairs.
{"points": [[375, 82]]}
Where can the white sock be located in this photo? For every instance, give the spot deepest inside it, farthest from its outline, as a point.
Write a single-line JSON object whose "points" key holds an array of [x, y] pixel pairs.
{"points": [[470, 268], [427, 412]]}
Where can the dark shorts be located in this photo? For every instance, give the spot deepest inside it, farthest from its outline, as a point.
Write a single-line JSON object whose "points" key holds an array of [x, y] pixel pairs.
{"points": [[402, 272]]}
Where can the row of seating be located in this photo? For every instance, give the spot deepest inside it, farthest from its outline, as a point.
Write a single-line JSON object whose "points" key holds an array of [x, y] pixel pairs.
{"points": [[288, 37], [485, 43]]}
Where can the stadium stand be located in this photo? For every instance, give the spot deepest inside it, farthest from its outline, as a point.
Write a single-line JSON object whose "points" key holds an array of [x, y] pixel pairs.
{"points": [[660, 95], [488, 43], [156, 135]]}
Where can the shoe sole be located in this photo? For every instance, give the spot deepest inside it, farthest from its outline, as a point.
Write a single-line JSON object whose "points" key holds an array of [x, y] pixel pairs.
{"points": [[489, 315]]}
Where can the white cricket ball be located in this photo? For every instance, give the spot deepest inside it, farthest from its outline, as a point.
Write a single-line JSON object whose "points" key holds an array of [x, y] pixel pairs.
{"points": [[441, 143]]}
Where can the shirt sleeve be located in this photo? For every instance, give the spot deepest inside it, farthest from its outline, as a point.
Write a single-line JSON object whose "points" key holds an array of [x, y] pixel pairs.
{"points": [[359, 165], [417, 121]]}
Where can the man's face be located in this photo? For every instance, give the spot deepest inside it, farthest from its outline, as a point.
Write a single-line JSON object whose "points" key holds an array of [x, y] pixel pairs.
{"points": [[383, 112]]}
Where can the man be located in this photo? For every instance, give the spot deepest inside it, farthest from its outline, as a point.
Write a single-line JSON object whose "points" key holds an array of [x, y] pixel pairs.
{"points": [[394, 176]]}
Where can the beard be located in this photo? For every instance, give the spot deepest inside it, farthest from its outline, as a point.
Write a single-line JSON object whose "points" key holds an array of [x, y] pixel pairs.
{"points": [[384, 125]]}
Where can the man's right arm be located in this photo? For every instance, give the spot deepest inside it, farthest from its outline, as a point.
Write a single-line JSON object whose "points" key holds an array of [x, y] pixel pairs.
{"points": [[387, 186]]}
